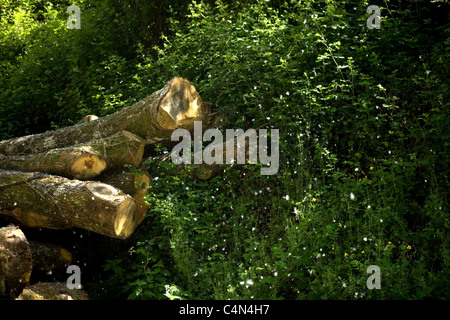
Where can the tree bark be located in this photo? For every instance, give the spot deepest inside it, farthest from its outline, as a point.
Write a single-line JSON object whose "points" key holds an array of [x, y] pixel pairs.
{"points": [[122, 148], [154, 118], [40, 200], [15, 261], [126, 180], [48, 256], [73, 162], [83, 161], [52, 291], [136, 185]]}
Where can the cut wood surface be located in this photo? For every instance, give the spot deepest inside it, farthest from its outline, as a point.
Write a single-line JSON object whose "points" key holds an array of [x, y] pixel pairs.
{"points": [[122, 148], [142, 207], [88, 118], [48, 256], [83, 161], [136, 185], [15, 261], [52, 291], [154, 118], [41, 200], [73, 162]]}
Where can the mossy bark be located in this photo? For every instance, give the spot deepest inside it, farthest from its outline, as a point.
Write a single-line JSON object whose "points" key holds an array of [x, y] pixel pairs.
{"points": [[83, 161], [154, 118], [40, 200], [52, 291], [135, 184], [78, 163]]}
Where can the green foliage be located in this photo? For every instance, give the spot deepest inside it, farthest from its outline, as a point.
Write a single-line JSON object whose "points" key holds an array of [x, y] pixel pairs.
{"points": [[363, 119]]}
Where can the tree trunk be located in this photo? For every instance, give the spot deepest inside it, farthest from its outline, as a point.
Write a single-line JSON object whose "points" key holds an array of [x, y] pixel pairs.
{"points": [[136, 185], [122, 148], [154, 118], [126, 180], [48, 256], [78, 163], [52, 291], [83, 161], [40, 200], [15, 261]]}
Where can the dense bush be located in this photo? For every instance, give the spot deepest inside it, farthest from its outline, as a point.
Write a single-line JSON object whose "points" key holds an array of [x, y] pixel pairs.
{"points": [[363, 119]]}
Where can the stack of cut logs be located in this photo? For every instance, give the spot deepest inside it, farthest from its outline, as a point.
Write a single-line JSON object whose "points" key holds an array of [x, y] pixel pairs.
{"points": [[80, 176]]}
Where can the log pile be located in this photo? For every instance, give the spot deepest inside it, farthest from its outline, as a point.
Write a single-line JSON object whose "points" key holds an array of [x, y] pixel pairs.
{"points": [[89, 175]]}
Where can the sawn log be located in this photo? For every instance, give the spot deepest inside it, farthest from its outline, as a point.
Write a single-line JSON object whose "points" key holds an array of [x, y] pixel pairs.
{"points": [[154, 118], [41, 200]]}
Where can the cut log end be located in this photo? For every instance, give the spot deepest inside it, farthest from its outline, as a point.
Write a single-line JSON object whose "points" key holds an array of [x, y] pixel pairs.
{"points": [[142, 207], [154, 118], [181, 105], [143, 184], [140, 147], [133, 185], [88, 118], [87, 166], [39, 200], [126, 219]]}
